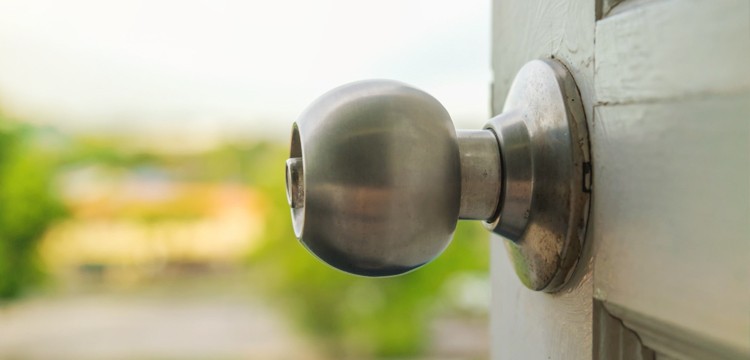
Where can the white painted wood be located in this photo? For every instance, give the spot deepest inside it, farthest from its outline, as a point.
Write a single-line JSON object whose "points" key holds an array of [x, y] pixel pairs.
{"points": [[528, 324], [672, 49], [668, 107], [672, 221], [671, 340], [612, 340], [524, 30], [534, 325]]}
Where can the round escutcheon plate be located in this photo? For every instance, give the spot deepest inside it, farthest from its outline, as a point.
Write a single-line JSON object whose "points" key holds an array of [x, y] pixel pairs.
{"points": [[543, 210]]}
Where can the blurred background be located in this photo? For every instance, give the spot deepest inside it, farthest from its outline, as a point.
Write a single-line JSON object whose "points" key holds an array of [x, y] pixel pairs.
{"points": [[142, 204]]}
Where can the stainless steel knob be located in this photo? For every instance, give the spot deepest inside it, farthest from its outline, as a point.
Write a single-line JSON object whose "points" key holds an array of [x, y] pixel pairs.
{"points": [[378, 177], [382, 178]]}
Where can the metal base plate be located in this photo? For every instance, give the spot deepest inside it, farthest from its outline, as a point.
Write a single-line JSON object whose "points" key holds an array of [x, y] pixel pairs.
{"points": [[543, 210]]}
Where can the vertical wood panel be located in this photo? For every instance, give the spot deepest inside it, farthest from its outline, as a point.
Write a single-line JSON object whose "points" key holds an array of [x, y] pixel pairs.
{"points": [[671, 166], [673, 49], [672, 200], [528, 324]]}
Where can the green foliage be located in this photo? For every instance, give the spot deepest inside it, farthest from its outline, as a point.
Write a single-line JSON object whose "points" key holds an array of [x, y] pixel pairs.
{"points": [[356, 316], [351, 316], [27, 207]]}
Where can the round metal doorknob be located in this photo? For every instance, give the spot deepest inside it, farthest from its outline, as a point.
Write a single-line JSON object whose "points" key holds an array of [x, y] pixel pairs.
{"points": [[381, 187], [378, 177]]}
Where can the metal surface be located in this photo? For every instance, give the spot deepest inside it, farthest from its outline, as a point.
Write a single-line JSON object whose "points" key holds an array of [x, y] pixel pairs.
{"points": [[382, 178], [480, 174], [544, 147], [295, 181], [377, 177]]}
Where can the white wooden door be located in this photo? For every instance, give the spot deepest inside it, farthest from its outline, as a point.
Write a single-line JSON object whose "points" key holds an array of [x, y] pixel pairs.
{"points": [[666, 268]]}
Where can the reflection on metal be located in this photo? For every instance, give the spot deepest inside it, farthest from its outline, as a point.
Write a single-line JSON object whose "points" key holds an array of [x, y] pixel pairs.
{"points": [[382, 178], [544, 147], [295, 180], [377, 176], [480, 174]]}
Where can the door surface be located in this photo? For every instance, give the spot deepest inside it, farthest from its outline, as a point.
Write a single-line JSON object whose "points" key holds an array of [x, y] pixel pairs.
{"points": [[665, 272]]}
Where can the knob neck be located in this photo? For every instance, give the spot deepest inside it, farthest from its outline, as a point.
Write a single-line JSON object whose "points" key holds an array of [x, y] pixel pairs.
{"points": [[481, 174]]}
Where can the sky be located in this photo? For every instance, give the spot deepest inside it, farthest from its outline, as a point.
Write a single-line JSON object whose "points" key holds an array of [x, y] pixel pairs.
{"points": [[231, 68]]}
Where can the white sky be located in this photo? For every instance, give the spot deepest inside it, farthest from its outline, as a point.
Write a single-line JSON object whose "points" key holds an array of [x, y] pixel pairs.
{"points": [[246, 68]]}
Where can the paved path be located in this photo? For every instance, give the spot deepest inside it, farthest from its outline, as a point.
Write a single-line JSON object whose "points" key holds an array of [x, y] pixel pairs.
{"points": [[147, 326], [205, 317]]}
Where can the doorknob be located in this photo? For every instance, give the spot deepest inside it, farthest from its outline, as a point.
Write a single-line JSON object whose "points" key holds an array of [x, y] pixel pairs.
{"points": [[378, 177]]}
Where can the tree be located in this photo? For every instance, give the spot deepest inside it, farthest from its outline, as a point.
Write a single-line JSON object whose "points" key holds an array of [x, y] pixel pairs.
{"points": [[27, 206]]}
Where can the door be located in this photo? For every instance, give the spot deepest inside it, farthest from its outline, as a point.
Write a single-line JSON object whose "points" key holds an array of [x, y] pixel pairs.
{"points": [[665, 272]]}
